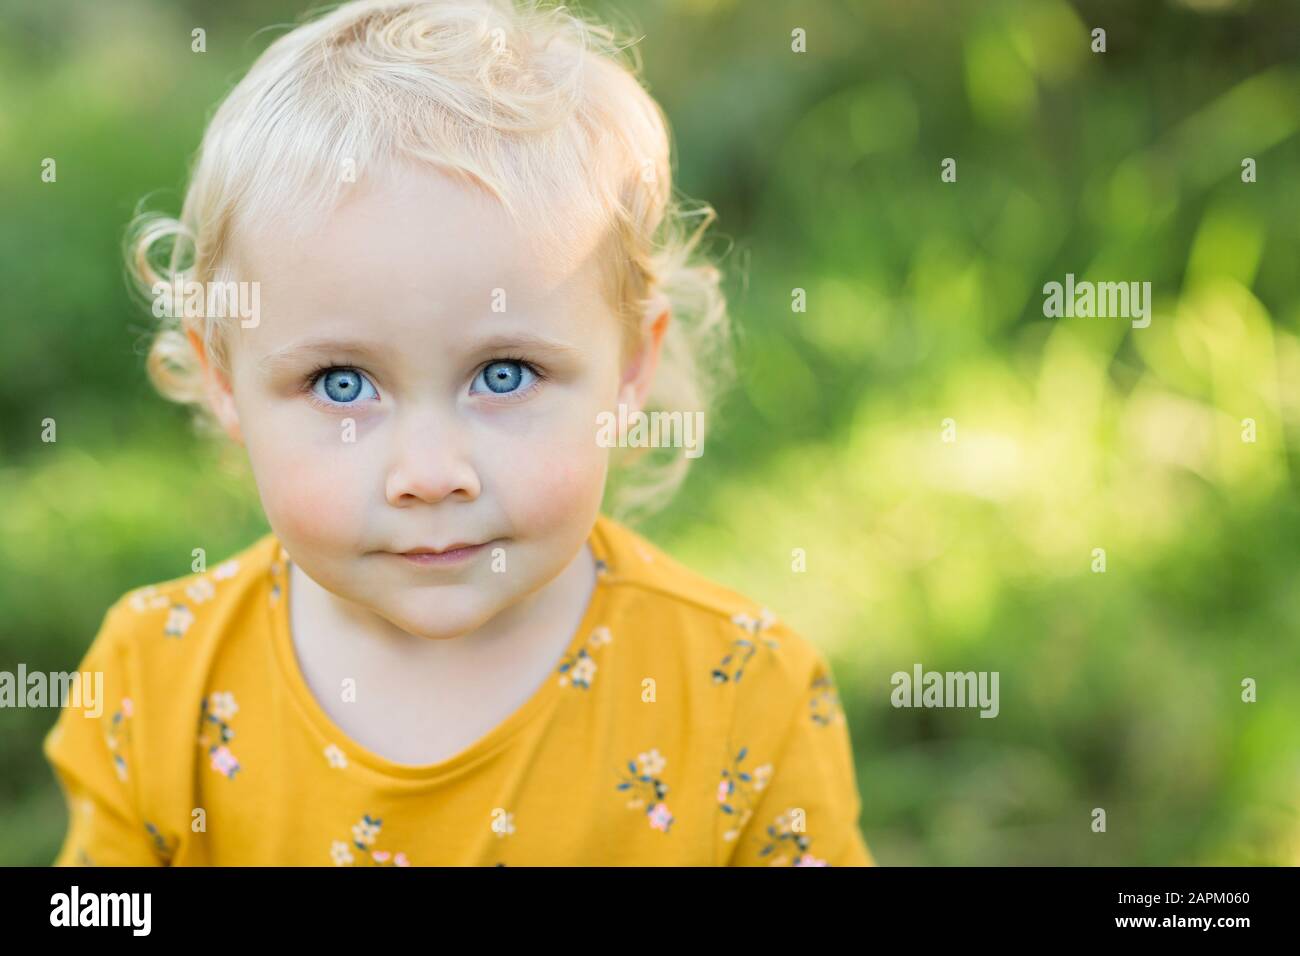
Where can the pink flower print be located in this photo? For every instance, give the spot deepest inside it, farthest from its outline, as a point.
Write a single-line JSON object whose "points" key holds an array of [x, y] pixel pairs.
{"points": [[738, 792], [127, 707], [224, 762], [215, 731], [782, 835], [660, 818], [647, 789], [364, 834]]}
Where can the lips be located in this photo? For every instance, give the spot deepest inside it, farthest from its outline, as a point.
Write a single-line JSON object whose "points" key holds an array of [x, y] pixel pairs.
{"points": [[451, 547]]}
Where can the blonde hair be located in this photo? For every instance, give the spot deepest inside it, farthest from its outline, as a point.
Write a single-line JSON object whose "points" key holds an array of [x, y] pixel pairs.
{"points": [[535, 104]]}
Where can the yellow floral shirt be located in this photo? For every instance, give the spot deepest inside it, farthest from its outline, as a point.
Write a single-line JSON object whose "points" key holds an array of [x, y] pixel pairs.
{"points": [[684, 726]]}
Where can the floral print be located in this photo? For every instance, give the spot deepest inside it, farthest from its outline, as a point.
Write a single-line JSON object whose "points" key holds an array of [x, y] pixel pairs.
{"points": [[825, 702], [365, 833], [275, 582], [119, 735], [179, 619], [743, 648], [648, 790], [200, 590], [755, 820], [163, 848], [215, 732], [579, 667], [148, 599], [738, 791], [781, 835]]}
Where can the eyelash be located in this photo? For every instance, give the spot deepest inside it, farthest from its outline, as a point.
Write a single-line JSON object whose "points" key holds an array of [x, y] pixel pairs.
{"points": [[309, 381]]}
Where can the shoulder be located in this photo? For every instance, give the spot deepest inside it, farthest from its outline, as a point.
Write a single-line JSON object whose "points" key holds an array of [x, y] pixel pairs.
{"points": [[194, 608], [744, 641]]}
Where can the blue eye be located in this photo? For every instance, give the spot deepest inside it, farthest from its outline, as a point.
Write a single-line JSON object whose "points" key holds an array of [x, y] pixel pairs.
{"points": [[506, 376], [343, 385]]}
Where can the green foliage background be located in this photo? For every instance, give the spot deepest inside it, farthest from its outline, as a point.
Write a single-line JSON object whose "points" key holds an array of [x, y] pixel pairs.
{"points": [[1119, 690]]}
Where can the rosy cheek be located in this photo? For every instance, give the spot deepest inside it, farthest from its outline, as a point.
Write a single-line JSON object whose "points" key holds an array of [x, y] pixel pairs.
{"points": [[563, 489], [298, 488]]}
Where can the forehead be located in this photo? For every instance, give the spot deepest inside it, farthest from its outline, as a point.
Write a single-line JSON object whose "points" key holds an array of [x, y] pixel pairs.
{"points": [[424, 256]]}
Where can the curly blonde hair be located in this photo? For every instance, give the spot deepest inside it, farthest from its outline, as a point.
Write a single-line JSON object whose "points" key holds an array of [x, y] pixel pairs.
{"points": [[536, 104]]}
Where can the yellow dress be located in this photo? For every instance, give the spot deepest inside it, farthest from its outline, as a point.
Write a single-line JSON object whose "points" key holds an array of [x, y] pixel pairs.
{"points": [[684, 726]]}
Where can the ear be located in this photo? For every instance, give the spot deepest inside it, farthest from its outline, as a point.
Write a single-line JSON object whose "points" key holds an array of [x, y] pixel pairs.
{"points": [[221, 398], [638, 375]]}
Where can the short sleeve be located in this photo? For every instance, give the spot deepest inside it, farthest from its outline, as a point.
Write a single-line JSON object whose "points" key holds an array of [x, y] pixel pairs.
{"points": [[91, 751], [798, 803]]}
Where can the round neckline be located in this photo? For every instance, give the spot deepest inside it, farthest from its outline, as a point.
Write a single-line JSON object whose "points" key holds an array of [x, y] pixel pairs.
{"points": [[520, 717]]}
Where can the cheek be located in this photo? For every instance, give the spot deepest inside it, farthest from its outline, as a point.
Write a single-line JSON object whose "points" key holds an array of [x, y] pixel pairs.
{"points": [[298, 484], [560, 485]]}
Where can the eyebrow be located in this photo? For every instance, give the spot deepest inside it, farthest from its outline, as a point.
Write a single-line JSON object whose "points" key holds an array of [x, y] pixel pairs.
{"points": [[357, 348]]}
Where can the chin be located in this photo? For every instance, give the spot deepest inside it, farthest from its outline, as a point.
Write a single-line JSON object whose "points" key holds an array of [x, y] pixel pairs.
{"points": [[447, 621]]}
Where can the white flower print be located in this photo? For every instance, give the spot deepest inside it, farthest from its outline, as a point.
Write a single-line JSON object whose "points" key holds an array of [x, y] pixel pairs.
{"points": [[223, 705], [365, 832], [178, 621], [651, 763], [335, 756], [340, 853], [764, 621], [584, 671], [200, 590], [227, 569], [148, 599]]}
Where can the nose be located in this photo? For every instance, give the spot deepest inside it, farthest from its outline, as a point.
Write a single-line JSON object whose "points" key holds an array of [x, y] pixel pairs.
{"points": [[431, 462]]}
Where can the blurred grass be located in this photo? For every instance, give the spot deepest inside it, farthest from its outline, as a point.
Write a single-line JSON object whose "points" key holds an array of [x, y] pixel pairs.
{"points": [[1118, 690]]}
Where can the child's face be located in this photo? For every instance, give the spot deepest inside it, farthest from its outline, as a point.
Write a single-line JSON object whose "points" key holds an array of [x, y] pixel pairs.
{"points": [[402, 279]]}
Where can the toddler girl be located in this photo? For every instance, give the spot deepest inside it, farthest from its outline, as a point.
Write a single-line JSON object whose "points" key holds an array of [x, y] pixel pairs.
{"points": [[443, 236]]}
